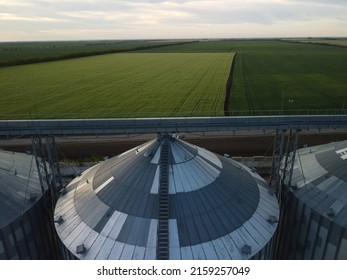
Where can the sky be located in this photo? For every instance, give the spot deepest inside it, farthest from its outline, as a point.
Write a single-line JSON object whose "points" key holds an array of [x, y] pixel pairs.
{"points": [[32, 20]]}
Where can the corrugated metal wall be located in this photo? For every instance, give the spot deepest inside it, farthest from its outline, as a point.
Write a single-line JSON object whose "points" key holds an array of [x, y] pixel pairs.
{"points": [[305, 234], [31, 236]]}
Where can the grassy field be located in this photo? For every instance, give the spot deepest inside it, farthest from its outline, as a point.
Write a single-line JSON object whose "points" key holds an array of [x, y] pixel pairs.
{"points": [[299, 76], [180, 80], [275, 75], [16, 53], [117, 85], [204, 46]]}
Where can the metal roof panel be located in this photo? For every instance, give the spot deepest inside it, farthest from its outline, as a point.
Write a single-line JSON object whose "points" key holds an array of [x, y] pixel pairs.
{"points": [[212, 198]]}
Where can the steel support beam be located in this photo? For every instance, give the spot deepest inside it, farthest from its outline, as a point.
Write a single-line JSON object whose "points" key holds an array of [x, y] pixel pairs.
{"points": [[292, 146], [53, 161], [285, 169], [15, 128], [283, 162], [47, 165], [277, 157], [40, 162], [42, 168]]}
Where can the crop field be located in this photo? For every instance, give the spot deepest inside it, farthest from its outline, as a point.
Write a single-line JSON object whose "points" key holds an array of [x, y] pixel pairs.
{"points": [[278, 75], [281, 76], [16, 53], [186, 79], [117, 85], [205, 46]]}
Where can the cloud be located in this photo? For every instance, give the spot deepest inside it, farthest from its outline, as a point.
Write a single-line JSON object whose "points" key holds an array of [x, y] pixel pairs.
{"points": [[15, 3], [14, 17], [165, 18], [321, 2]]}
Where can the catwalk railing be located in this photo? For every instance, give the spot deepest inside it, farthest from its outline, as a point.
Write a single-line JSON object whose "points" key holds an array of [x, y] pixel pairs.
{"points": [[14, 128], [34, 115]]}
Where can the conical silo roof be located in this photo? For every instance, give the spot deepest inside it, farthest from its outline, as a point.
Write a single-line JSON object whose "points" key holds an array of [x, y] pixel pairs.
{"points": [[217, 207], [320, 180]]}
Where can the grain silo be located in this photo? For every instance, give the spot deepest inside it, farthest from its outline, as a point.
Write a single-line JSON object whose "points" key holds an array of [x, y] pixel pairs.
{"points": [[26, 214], [315, 221], [167, 199]]}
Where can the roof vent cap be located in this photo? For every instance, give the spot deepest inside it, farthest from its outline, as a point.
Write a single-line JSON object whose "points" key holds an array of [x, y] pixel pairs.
{"points": [[331, 212], [59, 220], [148, 153], [80, 249], [63, 191], [273, 220], [246, 249]]}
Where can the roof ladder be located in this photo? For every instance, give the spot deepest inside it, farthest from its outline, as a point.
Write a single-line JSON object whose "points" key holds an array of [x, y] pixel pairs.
{"points": [[163, 227]]}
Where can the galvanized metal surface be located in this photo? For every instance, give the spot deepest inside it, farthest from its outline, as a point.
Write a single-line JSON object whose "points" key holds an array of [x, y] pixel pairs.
{"points": [[19, 185], [26, 223], [315, 220], [320, 174], [210, 217], [11, 128]]}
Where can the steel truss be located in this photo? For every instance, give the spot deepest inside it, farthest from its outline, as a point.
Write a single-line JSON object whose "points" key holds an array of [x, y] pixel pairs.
{"points": [[53, 161], [292, 146], [282, 172], [283, 162], [68, 127], [47, 165], [277, 157]]}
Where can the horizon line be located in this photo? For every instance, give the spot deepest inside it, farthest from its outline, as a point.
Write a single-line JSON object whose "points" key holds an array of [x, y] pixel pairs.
{"points": [[183, 39]]}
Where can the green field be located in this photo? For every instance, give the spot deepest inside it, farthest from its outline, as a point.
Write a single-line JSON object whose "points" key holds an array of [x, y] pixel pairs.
{"points": [[181, 80], [204, 46], [117, 85], [17, 53], [278, 75], [299, 76]]}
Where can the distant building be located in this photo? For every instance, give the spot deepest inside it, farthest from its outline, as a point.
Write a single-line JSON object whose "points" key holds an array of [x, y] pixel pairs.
{"points": [[315, 221], [215, 207]]}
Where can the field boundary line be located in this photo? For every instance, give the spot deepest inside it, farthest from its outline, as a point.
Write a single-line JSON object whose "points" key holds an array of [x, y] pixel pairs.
{"points": [[228, 87]]}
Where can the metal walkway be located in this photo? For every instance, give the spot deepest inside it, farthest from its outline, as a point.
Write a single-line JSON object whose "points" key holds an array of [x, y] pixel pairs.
{"points": [[16, 128], [163, 227]]}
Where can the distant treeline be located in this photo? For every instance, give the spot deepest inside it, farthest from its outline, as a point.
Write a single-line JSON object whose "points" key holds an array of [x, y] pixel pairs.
{"points": [[79, 54], [325, 44], [320, 43]]}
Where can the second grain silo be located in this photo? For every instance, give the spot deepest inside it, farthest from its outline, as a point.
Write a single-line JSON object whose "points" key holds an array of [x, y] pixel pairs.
{"points": [[26, 214], [315, 221], [167, 199]]}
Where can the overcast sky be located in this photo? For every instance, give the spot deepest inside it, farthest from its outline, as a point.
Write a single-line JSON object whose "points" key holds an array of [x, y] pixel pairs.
{"points": [[23, 20]]}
